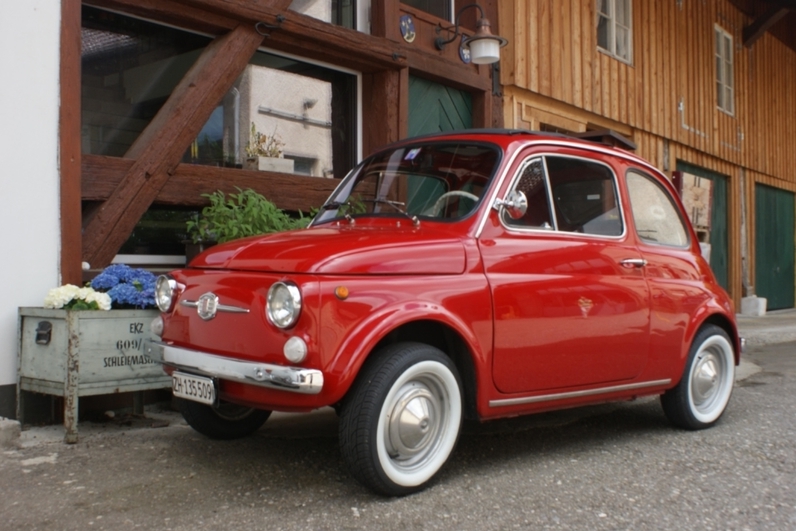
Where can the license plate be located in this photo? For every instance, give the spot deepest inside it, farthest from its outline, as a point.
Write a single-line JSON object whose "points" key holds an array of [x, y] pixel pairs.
{"points": [[196, 388]]}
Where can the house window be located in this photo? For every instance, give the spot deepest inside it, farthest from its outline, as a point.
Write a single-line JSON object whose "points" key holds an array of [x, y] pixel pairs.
{"points": [[351, 14], [725, 85], [439, 8], [306, 113], [615, 28]]}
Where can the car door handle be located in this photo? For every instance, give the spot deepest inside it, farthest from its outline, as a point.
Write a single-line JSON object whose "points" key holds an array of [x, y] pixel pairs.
{"points": [[633, 262]]}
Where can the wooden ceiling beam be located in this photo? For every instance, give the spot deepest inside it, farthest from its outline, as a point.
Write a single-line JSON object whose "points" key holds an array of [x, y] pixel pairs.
{"points": [[160, 147], [764, 22]]}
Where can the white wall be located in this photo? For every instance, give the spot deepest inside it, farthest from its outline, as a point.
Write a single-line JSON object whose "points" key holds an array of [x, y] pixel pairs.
{"points": [[29, 181]]}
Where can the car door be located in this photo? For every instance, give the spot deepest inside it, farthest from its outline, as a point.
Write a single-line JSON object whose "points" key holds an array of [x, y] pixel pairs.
{"points": [[674, 272], [570, 300]]}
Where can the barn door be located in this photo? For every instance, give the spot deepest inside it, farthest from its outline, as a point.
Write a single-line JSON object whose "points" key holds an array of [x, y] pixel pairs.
{"points": [[774, 247], [434, 108]]}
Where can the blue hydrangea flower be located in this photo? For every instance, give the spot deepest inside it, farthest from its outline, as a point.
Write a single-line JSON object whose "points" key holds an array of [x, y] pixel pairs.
{"points": [[126, 286]]}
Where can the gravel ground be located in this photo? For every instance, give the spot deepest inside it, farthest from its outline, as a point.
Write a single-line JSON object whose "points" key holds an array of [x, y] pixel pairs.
{"points": [[608, 467]]}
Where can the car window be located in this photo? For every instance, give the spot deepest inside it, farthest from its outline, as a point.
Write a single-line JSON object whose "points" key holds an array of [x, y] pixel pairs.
{"points": [[435, 180], [582, 194], [655, 215], [532, 183]]}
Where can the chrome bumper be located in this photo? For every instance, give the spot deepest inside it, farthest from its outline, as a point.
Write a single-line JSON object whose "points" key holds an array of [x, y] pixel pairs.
{"points": [[297, 380]]}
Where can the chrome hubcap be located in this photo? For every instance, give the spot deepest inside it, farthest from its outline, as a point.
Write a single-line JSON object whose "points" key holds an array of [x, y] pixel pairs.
{"points": [[413, 426], [706, 380]]}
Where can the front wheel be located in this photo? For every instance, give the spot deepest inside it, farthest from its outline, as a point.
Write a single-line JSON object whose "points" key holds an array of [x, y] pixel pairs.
{"points": [[225, 422], [402, 418], [706, 385]]}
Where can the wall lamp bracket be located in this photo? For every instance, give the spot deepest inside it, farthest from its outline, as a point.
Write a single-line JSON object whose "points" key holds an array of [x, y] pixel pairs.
{"points": [[484, 46]]}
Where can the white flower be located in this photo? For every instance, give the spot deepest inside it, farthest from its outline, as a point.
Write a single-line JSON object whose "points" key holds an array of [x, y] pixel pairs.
{"points": [[60, 297]]}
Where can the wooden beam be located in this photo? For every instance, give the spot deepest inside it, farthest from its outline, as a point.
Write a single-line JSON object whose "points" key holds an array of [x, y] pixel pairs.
{"points": [[69, 150], [304, 35], [101, 176], [161, 145], [762, 24], [384, 19], [380, 120], [173, 13]]}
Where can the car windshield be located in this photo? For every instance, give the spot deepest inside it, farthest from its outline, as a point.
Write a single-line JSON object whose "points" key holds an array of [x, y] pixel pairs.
{"points": [[444, 181]]}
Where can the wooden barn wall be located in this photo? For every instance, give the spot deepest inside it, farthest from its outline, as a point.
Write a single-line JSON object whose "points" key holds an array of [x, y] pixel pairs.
{"points": [[669, 90], [555, 76]]}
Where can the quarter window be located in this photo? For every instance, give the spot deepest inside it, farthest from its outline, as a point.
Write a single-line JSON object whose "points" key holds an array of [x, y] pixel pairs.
{"points": [[569, 195], [615, 28], [725, 84], [654, 213]]}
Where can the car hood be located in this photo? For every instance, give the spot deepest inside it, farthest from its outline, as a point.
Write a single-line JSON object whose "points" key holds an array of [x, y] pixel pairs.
{"points": [[343, 250]]}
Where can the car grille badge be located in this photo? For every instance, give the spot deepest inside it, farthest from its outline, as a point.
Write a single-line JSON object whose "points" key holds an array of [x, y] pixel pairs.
{"points": [[207, 305]]}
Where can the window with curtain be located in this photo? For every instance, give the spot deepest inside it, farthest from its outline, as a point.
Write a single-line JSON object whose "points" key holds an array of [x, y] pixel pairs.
{"points": [[615, 28], [725, 83]]}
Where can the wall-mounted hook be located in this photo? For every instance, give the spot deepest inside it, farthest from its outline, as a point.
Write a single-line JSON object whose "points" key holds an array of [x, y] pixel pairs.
{"points": [[265, 29]]}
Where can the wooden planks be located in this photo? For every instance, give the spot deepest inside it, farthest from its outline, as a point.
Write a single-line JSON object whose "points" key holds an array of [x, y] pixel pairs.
{"points": [[669, 89]]}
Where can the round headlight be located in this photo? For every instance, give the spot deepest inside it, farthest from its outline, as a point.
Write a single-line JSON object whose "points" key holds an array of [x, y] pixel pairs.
{"points": [[284, 304], [164, 293]]}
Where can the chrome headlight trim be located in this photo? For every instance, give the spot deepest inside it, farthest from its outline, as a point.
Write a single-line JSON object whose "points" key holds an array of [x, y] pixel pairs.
{"points": [[283, 304], [165, 290]]}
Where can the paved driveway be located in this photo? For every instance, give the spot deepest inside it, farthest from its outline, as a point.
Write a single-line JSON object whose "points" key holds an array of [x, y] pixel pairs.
{"points": [[609, 467]]}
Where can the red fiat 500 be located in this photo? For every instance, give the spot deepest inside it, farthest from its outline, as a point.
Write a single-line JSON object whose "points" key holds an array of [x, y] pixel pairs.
{"points": [[480, 274]]}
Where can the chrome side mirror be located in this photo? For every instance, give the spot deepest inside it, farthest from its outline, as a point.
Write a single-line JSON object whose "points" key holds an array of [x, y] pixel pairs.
{"points": [[515, 204]]}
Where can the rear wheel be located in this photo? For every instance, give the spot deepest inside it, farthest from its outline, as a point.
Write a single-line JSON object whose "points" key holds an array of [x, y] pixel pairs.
{"points": [[226, 421], [706, 385], [402, 418]]}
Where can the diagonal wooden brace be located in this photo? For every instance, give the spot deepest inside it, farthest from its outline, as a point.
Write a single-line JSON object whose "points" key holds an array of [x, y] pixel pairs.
{"points": [[160, 147]]}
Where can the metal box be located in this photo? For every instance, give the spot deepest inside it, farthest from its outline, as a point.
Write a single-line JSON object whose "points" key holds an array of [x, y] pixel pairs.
{"points": [[82, 353]]}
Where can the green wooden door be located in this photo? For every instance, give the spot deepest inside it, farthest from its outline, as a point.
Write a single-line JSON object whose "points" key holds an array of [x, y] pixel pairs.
{"points": [[434, 108], [719, 222], [774, 247]]}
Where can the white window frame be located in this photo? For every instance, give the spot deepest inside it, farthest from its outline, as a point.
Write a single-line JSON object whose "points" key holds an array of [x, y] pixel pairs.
{"points": [[612, 25], [725, 70]]}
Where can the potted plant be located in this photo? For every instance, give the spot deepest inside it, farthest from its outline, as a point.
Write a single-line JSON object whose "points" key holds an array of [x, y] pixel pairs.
{"points": [[236, 215], [265, 153]]}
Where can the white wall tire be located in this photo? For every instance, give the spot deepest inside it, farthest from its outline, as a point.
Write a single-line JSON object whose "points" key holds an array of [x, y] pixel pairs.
{"points": [[702, 395], [402, 419]]}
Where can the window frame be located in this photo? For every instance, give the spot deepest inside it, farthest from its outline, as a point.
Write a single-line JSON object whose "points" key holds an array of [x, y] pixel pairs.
{"points": [[612, 24], [553, 211], [723, 37]]}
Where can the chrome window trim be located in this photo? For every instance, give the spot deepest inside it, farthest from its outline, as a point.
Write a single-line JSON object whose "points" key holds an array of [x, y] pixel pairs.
{"points": [[556, 231], [555, 143]]}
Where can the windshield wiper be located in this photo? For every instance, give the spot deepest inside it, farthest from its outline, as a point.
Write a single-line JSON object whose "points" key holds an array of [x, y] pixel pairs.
{"points": [[397, 205], [334, 204]]}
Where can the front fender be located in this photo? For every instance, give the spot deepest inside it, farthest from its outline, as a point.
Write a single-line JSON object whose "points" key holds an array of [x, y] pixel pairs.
{"points": [[472, 322]]}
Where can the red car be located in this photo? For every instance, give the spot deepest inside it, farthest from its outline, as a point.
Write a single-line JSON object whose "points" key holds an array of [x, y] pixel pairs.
{"points": [[478, 274]]}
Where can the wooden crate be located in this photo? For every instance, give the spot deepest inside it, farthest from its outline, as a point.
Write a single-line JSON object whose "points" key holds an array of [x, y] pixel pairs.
{"points": [[83, 353]]}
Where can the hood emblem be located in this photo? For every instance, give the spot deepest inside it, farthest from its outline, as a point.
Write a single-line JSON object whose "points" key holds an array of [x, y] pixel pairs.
{"points": [[208, 305]]}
